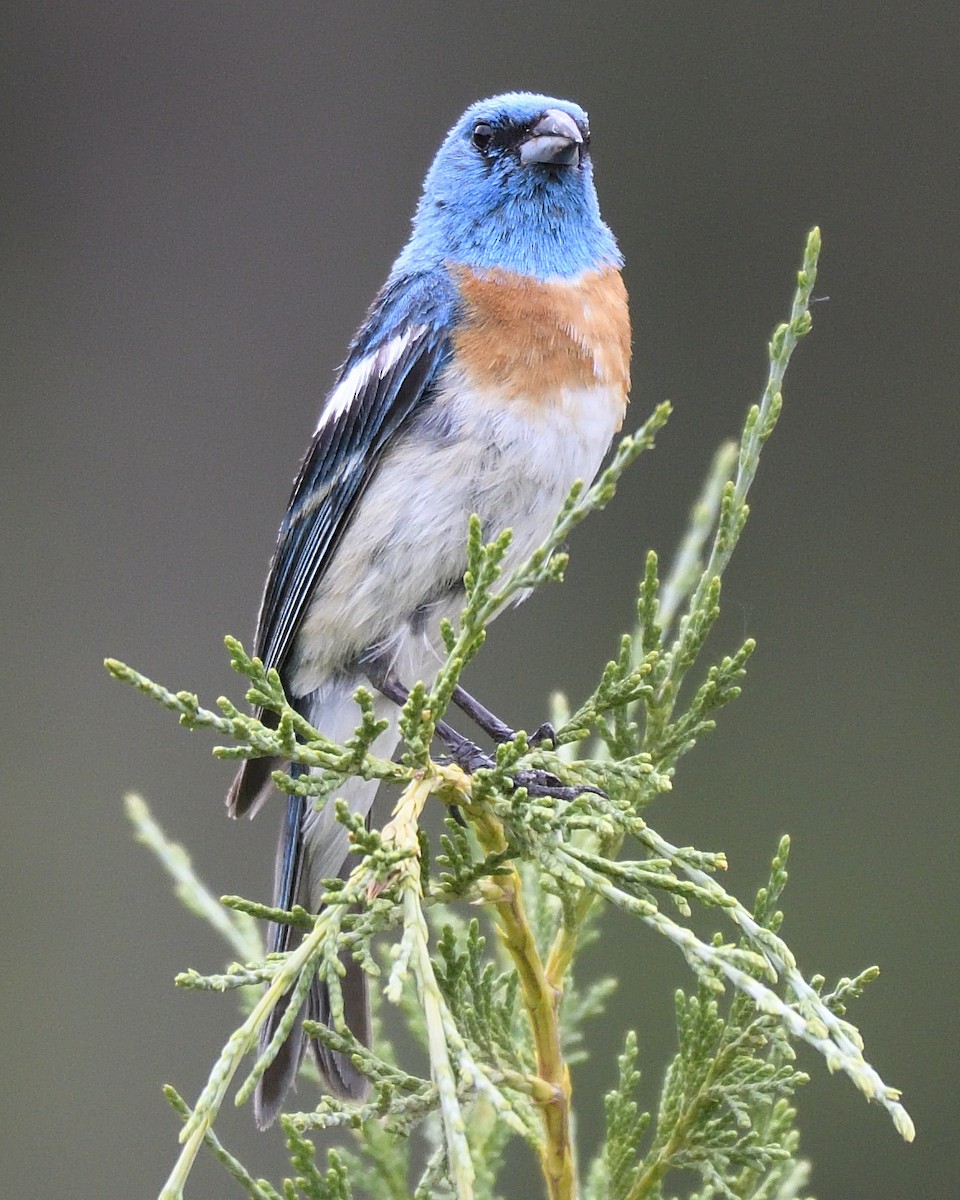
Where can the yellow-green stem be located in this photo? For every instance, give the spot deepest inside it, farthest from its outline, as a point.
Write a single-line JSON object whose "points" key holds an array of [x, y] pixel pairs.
{"points": [[541, 1000], [565, 943]]}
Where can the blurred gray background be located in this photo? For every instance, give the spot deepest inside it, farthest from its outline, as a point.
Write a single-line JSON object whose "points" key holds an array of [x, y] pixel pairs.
{"points": [[198, 204]]}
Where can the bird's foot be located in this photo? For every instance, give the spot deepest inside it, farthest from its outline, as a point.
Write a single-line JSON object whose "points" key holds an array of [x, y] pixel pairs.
{"points": [[491, 724], [546, 733], [537, 782], [468, 755]]}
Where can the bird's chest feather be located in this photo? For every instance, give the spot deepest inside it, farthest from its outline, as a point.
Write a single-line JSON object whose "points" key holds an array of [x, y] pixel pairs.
{"points": [[537, 387], [532, 340], [533, 393]]}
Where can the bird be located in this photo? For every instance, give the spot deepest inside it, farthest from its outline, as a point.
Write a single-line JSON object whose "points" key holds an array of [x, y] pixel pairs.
{"points": [[491, 373]]}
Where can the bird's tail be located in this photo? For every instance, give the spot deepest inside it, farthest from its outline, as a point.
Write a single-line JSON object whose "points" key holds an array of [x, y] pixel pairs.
{"points": [[313, 846], [326, 841]]}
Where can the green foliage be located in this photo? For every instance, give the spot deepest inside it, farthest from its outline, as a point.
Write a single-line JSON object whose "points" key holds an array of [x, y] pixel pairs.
{"points": [[724, 1109], [484, 929]]}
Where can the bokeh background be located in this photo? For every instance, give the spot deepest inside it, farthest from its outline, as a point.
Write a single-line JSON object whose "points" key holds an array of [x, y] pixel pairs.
{"points": [[199, 201]]}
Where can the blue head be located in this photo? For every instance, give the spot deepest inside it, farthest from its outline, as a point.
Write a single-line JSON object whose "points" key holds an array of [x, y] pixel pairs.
{"points": [[512, 186]]}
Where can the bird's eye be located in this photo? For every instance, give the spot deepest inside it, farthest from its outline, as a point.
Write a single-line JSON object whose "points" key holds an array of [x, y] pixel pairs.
{"points": [[482, 136]]}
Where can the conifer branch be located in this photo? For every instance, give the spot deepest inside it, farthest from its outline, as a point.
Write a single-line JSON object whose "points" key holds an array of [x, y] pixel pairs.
{"points": [[500, 1017]]}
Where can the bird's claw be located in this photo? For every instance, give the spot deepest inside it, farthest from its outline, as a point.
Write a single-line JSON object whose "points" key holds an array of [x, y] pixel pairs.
{"points": [[536, 781], [546, 733], [470, 758], [544, 783]]}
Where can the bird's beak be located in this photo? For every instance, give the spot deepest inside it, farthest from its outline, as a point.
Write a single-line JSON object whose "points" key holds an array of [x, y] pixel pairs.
{"points": [[555, 139]]}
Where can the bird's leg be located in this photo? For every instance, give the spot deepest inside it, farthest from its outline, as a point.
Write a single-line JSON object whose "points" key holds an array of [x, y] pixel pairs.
{"points": [[491, 724], [467, 754], [536, 781]]}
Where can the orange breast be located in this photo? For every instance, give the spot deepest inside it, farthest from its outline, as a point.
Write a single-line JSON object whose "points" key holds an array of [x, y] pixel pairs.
{"points": [[529, 338]]}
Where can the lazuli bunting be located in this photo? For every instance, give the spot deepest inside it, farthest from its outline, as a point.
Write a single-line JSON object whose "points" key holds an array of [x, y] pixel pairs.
{"points": [[491, 372]]}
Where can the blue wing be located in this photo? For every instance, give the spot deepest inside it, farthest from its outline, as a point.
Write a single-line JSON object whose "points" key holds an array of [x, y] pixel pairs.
{"points": [[390, 371]]}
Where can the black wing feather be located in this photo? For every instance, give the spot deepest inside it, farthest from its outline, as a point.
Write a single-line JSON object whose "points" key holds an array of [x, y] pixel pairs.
{"points": [[340, 462]]}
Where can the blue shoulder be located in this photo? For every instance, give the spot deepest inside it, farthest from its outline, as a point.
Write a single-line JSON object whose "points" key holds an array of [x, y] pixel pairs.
{"points": [[408, 298]]}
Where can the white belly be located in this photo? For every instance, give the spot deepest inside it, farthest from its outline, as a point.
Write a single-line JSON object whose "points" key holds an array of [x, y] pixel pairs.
{"points": [[399, 566]]}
